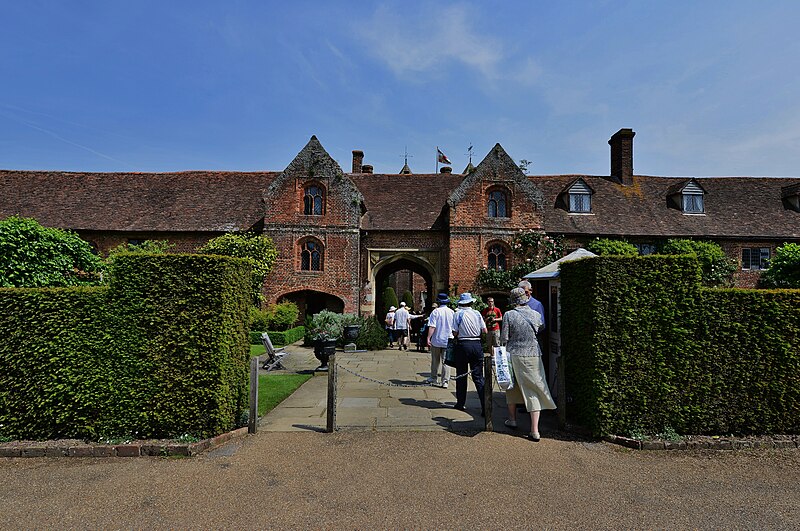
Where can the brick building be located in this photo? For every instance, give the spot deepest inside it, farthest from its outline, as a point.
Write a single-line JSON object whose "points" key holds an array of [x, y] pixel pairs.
{"points": [[343, 236]]}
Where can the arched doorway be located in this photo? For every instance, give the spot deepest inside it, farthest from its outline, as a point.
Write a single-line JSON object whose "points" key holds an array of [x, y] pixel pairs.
{"points": [[310, 302], [404, 273]]}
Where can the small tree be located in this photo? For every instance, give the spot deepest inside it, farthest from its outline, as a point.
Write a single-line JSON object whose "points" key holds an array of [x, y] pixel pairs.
{"points": [[717, 268], [408, 298], [389, 299], [33, 256], [257, 248], [784, 268], [607, 247]]}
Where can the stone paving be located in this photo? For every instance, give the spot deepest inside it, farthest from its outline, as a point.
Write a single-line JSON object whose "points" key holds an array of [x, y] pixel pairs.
{"points": [[365, 404]]}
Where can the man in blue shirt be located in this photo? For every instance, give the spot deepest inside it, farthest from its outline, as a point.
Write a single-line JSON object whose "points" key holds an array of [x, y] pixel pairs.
{"points": [[533, 304]]}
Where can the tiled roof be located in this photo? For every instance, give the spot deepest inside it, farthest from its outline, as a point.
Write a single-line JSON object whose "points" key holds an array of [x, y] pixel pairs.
{"points": [[405, 202], [734, 207], [183, 201]]}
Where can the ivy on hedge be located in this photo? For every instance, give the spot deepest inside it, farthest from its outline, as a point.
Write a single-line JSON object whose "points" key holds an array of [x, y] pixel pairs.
{"points": [[163, 350], [647, 348]]}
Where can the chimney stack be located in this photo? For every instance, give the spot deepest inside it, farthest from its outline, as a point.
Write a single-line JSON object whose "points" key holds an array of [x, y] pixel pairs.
{"points": [[445, 169], [622, 156], [366, 168], [358, 159]]}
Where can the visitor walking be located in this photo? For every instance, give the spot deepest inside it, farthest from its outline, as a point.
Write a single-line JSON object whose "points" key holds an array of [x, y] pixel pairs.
{"points": [[468, 326], [401, 321], [440, 335], [520, 326], [533, 303], [390, 325]]}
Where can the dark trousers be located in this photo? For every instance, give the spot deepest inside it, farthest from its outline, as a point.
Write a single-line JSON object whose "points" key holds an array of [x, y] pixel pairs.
{"points": [[469, 353]]}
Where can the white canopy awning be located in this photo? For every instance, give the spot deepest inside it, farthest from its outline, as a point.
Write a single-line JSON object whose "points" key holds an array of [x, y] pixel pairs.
{"points": [[551, 270]]}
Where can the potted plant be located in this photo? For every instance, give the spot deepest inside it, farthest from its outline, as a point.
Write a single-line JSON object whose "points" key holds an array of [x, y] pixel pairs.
{"points": [[326, 328]]}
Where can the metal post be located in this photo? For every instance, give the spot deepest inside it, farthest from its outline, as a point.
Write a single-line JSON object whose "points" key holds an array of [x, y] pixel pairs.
{"points": [[252, 423], [488, 391], [331, 427]]}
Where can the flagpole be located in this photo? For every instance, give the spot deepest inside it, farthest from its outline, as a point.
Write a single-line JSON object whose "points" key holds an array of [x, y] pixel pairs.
{"points": [[437, 160]]}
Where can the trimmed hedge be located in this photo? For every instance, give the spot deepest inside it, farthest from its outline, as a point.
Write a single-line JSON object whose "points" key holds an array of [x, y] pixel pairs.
{"points": [[647, 348], [280, 339], [160, 352]]}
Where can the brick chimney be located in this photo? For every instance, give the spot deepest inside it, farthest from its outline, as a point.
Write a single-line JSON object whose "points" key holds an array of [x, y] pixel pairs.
{"points": [[366, 168], [445, 169], [358, 159], [622, 156]]}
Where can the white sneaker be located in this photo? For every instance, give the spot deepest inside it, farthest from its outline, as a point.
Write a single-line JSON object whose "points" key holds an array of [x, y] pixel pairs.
{"points": [[445, 384]]}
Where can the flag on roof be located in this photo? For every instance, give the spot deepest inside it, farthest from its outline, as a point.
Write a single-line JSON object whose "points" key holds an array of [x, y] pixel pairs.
{"points": [[442, 157]]}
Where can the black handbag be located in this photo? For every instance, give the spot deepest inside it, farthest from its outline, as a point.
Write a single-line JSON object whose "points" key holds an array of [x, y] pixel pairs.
{"points": [[449, 353]]}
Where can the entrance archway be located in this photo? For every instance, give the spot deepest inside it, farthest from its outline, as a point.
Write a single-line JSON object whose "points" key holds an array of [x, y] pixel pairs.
{"points": [[396, 265]]}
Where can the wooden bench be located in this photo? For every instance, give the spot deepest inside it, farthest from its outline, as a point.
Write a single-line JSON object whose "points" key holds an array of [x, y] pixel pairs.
{"points": [[274, 356]]}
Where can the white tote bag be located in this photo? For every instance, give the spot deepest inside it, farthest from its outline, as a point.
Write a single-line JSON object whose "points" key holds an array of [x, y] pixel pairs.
{"points": [[502, 368]]}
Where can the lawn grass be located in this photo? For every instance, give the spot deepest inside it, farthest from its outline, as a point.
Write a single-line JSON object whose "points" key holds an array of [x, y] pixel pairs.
{"points": [[257, 350], [274, 388]]}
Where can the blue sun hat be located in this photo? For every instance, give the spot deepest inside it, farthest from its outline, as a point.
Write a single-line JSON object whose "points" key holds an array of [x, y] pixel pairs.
{"points": [[443, 298], [465, 298]]}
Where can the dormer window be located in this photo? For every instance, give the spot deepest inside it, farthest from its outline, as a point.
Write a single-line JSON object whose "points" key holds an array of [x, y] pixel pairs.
{"points": [[580, 197], [688, 197], [314, 200], [498, 204], [791, 197], [692, 198]]}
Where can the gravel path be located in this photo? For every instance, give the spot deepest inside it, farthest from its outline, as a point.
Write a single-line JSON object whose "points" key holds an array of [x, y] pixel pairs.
{"points": [[429, 479]]}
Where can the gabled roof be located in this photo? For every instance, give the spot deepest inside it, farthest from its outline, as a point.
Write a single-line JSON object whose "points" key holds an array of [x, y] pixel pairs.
{"points": [[405, 202], [215, 201], [682, 184], [740, 207]]}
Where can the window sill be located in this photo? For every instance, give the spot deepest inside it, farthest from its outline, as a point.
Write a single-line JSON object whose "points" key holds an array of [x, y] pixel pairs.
{"points": [[694, 213], [580, 213]]}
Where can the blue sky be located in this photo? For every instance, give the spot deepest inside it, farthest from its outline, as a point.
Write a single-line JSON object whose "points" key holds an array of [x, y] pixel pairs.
{"points": [[711, 87]]}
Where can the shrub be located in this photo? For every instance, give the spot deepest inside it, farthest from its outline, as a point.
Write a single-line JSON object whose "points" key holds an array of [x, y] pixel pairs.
{"points": [[389, 300], [372, 335], [256, 248], [282, 316], [279, 339], [784, 268], [606, 247], [717, 269], [408, 298], [33, 256], [145, 247], [259, 319]]}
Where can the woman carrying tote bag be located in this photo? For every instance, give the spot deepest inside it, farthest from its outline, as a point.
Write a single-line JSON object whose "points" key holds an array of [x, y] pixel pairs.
{"points": [[520, 326]]}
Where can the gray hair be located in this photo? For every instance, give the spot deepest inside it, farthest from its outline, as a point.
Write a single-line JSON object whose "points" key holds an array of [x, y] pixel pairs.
{"points": [[524, 284]]}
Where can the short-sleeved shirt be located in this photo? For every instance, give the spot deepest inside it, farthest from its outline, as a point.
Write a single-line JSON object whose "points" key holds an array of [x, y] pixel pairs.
{"points": [[401, 319], [497, 315], [390, 319], [536, 306], [469, 324], [441, 320]]}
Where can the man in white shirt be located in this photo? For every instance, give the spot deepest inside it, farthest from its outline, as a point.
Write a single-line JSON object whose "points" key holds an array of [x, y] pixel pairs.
{"points": [[440, 333], [469, 325], [401, 319]]}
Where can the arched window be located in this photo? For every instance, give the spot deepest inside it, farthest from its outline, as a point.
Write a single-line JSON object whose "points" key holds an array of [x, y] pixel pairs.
{"points": [[498, 204], [314, 200], [497, 257], [311, 255]]}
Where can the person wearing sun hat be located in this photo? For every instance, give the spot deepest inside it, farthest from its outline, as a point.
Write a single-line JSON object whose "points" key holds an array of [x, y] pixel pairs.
{"points": [[390, 325], [520, 326], [468, 351], [440, 334]]}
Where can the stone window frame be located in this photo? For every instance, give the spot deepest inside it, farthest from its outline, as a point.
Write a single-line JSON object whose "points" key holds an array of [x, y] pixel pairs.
{"points": [[756, 258], [506, 198], [505, 253], [321, 196], [307, 264]]}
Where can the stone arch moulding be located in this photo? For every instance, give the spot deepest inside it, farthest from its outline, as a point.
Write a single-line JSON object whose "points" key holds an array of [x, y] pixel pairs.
{"points": [[428, 259]]}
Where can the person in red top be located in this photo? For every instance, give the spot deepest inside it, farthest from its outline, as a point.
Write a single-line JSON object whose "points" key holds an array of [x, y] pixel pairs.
{"points": [[493, 317]]}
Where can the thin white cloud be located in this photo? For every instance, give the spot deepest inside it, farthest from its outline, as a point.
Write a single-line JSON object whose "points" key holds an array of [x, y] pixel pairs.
{"points": [[428, 42]]}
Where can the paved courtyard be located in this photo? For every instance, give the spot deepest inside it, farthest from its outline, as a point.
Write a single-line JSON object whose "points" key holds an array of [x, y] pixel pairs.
{"points": [[390, 396]]}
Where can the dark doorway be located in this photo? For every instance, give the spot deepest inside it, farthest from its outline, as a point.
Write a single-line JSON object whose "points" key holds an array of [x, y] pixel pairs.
{"points": [[310, 302]]}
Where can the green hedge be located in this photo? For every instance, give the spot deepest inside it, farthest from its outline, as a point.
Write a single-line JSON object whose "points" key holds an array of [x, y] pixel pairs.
{"points": [[646, 348], [279, 339], [159, 352]]}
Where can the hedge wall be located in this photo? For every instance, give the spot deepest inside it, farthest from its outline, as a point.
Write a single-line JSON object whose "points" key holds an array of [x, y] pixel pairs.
{"points": [[646, 348], [280, 339], [163, 350]]}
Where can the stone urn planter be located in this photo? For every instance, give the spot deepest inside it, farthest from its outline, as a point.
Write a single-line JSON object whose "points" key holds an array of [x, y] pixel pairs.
{"points": [[323, 349]]}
